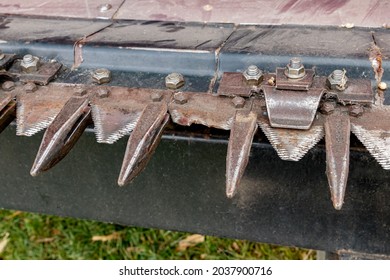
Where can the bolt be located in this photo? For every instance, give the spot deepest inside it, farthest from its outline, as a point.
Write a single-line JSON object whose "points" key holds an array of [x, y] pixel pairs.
{"points": [[30, 87], [156, 96], [79, 91], [101, 76], [29, 63], [8, 85], [174, 81], [104, 8], [238, 102], [337, 80], [180, 98], [102, 92], [328, 108], [356, 110], [295, 69], [253, 75]]}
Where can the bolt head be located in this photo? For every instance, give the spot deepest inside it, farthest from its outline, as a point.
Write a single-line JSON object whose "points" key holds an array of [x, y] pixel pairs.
{"points": [[29, 64], [356, 110], [30, 87], [238, 102], [337, 81], [101, 76], [295, 69], [8, 86], [157, 96], [328, 108], [253, 75], [104, 8], [180, 98], [102, 92], [174, 81]]}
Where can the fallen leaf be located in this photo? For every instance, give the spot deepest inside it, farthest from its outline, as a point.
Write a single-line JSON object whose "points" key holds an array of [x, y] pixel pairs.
{"points": [[190, 241], [4, 242], [106, 238]]}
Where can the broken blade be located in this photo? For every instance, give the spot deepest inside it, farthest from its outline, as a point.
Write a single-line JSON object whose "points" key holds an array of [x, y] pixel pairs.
{"points": [[62, 134], [337, 139], [143, 141], [240, 142], [373, 130], [292, 144]]}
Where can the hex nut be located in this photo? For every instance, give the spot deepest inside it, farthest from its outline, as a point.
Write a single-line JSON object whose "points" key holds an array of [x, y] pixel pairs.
{"points": [[238, 102], [337, 80], [30, 87], [295, 69], [157, 96], [102, 92], [328, 108], [8, 85], [356, 110], [29, 64], [101, 76], [174, 81], [180, 98], [253, 75]]}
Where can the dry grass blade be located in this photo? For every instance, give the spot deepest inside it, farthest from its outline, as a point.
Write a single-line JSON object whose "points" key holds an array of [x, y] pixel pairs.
{"points": [[4, 241], [190, 241], [106, 238], [45, 240]]}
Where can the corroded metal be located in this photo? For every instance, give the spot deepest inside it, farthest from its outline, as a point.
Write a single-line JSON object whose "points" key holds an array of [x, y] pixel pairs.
{"points": [[337, 133], [292, 108], [36, 110], [117, 115], [45, 73], [62, 134], [240, 142], [143, 141]]}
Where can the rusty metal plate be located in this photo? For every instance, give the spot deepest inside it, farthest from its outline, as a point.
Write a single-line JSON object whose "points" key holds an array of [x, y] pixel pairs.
{"points": [[206, 109], [306, 12], [116, 114], [359, 91], [282, 82], [70, 8], [291, 109], [36, 110], [233, 84], [46, 72]]}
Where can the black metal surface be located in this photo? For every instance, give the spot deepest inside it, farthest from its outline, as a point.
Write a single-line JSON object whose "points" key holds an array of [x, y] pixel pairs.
{"points": [[278, 202], [183, 187]]}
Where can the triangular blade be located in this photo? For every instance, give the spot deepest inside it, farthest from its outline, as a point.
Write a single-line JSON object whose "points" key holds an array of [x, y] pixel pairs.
{"points": [[36, 110], [292, 144], [143, 141], [116, 115], [62, 134], [373, 130], [240, 142], [337, 139]]}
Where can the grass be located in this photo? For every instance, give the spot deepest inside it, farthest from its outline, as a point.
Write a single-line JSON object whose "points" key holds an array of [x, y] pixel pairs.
{"points": [[34, 236]]}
